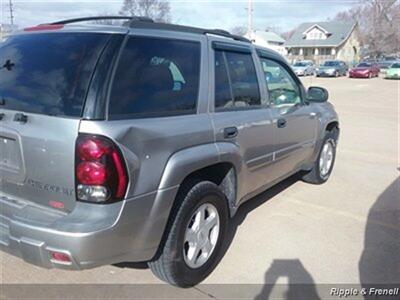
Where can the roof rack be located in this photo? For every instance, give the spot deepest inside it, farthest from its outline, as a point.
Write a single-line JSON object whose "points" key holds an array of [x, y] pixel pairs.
{"points": [[148, 23], [188, 29], [129, 19]]}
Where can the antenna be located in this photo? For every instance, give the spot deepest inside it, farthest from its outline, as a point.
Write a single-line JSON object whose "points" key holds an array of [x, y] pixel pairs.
{"points": [[11, 7]]}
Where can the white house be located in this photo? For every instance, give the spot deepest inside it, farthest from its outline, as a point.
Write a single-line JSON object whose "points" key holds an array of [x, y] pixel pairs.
{"points": [[320, 41], [268, 39]]}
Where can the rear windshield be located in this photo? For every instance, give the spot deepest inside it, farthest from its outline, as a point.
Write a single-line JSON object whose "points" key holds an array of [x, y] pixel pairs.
{"points": [[48, 73]]}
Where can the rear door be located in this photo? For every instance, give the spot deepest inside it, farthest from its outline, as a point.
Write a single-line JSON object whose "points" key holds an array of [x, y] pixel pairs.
{"points": [[294, 124], [241, 115], [44, 78]]}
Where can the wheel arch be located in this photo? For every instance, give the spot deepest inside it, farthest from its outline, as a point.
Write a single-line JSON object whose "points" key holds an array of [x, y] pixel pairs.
{"points": [[219, 163], [201, 163]]}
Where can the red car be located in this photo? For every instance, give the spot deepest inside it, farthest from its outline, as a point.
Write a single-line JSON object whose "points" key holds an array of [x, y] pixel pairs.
{"points": [[365, 70]]}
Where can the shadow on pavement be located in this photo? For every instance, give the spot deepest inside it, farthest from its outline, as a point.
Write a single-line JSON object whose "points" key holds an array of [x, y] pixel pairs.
{"points": [[380, 259], [300, 284]]}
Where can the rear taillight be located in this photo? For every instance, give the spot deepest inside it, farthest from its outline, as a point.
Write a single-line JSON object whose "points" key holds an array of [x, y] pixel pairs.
{"points": [[100, 170]]}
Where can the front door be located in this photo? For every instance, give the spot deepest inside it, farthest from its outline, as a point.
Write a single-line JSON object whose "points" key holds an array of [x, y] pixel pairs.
{"points": [[294, 124]]}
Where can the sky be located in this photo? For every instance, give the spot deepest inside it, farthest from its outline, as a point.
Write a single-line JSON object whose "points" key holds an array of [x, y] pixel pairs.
{"points": [[281, 15]]}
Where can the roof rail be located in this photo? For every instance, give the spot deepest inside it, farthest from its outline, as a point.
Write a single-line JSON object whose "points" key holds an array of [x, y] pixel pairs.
{"points": [[127, 18], [148, 23], [187, 29]]}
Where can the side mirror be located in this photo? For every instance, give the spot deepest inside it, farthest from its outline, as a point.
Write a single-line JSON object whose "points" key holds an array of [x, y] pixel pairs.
{"points": [[317, 94]]}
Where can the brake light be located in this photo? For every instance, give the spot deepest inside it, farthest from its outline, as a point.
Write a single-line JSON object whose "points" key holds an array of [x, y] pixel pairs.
{"points": [[44, 27], [100, 170], [91, 173]]}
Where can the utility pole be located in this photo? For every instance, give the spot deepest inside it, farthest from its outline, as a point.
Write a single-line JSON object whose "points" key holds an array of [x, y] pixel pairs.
{"points": [[250, 19], [11, 13]]}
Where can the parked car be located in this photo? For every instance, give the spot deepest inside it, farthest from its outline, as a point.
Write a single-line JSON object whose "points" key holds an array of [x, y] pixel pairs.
{"points": [[304, 68], [365, 70], [393, 72], [385, 62], [332, 68], [113, 149]]}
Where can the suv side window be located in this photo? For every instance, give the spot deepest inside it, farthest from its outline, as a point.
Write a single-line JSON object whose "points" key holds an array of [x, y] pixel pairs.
{"points": [[156, 77], [283, 89], [236, 84]]}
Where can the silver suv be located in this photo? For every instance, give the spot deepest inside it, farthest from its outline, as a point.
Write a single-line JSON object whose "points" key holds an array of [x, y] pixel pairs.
{"points": [[140, 142]]}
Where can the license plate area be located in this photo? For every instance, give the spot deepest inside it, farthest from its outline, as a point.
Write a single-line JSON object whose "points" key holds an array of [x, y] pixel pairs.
{"points": [[11, 159]]}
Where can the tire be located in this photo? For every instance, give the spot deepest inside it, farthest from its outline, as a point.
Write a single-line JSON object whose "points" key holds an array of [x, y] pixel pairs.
{"points": [[315, 176], [337, 74], [171, 264]]}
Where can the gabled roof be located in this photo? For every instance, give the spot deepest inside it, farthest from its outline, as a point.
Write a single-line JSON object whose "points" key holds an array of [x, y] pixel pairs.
{"points": [[339, 32], [316, 26]]}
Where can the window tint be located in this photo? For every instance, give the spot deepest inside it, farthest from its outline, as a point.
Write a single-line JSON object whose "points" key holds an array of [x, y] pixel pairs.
{"points": [[156, 77], [48, 73], [236, 82], [283, 89]]}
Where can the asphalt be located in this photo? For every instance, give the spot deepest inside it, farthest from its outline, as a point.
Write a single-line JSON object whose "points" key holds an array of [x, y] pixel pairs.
{"points": [[344, 231]]}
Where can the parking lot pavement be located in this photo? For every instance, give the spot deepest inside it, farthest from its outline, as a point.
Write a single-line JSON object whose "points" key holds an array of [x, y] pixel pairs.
{"points": [[345, 231]]}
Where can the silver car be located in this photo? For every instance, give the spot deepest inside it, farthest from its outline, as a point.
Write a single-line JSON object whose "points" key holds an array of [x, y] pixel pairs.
{"points": [[140, 142], [304, 68]]}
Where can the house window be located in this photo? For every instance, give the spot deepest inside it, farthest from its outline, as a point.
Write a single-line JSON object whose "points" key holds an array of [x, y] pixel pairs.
{"points": [[294, 51], [325, 51], [315, 34]]}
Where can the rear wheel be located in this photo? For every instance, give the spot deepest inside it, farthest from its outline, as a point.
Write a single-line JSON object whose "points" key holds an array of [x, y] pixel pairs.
{"points": [[323, 166], [194, 244]]}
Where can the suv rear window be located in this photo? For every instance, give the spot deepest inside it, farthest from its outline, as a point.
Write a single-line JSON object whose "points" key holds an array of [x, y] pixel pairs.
{"points": [[48, 73], [156, 77]]}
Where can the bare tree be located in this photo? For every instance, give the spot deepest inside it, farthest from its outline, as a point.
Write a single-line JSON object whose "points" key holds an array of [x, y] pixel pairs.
{"points": [[158, 10], [239, 30], [379, 23], [288, 34]]}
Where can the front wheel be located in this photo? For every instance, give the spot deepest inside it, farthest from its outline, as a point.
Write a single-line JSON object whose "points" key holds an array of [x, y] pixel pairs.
{"points": [[194, 244], [323, 166]]}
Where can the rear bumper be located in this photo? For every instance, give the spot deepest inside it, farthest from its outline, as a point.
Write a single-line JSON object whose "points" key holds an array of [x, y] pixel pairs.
{"points": [[92, 235]]}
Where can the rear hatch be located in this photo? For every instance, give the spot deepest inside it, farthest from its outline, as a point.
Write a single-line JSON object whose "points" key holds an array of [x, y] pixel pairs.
{"points": [[44, 78]]}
